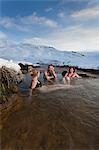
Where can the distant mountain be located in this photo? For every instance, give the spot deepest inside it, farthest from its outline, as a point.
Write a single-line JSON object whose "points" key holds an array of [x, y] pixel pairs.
{"points": [[46, 54]]}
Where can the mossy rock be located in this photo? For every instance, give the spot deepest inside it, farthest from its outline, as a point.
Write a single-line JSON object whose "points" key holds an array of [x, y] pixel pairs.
{"points": [[9, 79]]}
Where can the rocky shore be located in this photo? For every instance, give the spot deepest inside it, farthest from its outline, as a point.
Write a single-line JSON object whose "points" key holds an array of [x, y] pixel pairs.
{"points": [[9, 80]]}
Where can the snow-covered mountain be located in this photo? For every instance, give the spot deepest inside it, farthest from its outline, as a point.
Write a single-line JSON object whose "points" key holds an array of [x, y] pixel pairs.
{"points": [[46, 54]]}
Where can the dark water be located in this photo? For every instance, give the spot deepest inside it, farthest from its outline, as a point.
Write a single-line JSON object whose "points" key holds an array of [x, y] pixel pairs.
{"points": [[55, 118]]}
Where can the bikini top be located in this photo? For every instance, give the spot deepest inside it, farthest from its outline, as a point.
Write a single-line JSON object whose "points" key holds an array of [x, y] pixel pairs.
{"points": [[49, 74], [71, 75]]}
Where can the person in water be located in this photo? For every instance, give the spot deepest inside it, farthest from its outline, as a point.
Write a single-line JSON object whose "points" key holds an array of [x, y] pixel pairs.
{"points": [[35, 83], [71, 74], [50, 73]]}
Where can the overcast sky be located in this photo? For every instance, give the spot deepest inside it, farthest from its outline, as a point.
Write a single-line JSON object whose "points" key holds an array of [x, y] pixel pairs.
{"points": [[64, 24]]}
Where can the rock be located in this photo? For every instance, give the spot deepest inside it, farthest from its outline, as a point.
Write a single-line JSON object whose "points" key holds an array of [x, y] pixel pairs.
{"points": [[9, 80]]}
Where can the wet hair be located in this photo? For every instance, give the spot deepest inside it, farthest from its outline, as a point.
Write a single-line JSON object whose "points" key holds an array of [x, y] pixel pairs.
{"points": [[30, 68], [64, 73], [70, 69], [35, 73], [50, 66]]}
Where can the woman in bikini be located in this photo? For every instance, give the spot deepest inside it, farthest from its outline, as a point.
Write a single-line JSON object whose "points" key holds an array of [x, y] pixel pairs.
{"points": [[35, 83], [50, 74], [70, 75]]}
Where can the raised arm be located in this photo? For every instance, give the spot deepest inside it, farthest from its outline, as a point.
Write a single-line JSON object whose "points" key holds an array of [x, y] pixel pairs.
{"points": [[47, 76], [54, 74]]}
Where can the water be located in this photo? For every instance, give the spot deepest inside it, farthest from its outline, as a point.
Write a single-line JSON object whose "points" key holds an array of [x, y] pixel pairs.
{"points": [[55, 117]]}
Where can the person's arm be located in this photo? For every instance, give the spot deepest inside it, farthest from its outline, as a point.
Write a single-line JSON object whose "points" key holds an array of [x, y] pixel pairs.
{"points": [[54, 74], [66, 75], [76, 75], [64, 78], [47, 77], [34, 83], [38, 74]]}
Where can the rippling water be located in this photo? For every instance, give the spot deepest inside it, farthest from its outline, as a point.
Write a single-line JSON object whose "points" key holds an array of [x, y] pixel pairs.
{"points": [[55, 117]]}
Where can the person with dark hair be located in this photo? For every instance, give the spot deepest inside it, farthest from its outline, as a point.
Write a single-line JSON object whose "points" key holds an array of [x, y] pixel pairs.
{"points": [[64, 73], [70, 75], [50, 73]]}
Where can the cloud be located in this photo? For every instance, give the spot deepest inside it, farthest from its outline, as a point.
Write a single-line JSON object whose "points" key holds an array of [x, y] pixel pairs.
{"points": [[72, 38], [71, 35], [34, 19], [7, 22], [3, 39], [92, 3], [12, 23], [61, 15], [26, 23], [2, 35], [88, 13], [48, 9], [76, 38], [36, 41]]}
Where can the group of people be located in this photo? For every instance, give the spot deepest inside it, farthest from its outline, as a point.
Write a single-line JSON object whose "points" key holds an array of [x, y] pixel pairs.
{"points": [[51, 76]]}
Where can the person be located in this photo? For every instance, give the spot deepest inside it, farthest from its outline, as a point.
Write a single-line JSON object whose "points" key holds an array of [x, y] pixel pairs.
{"points": [[50, 73], [35, 83], [64, 73], [71, 74]]}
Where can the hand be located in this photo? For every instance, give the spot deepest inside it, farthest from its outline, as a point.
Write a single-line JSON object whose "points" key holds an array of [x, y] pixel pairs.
{"points": [[54, 74]]}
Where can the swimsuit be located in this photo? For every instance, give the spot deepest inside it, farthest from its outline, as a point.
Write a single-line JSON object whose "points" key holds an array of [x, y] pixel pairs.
{"points": [[71, 75], [50, 75]]}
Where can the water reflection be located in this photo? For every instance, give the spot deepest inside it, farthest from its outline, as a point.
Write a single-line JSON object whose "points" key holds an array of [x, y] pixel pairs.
{"points": [[55, 117]]}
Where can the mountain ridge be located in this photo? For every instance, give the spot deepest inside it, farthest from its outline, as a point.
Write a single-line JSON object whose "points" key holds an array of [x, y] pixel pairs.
{"points": [[48, 54]]}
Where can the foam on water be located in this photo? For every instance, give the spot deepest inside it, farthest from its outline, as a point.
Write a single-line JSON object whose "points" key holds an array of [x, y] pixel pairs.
{"points": [[50, 88]]}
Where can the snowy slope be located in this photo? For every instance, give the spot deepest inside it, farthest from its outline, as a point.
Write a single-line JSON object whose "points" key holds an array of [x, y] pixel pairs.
{"points": [[46, 54], [9, 64]]}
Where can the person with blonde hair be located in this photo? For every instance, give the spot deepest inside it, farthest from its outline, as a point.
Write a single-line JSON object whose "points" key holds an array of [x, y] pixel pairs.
{"points": [[35, 76]]}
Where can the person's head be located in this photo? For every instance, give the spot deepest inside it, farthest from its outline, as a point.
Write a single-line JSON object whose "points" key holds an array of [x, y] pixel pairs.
{"points": [[50, 68], [34, 73], [71, 70], [30, 68]]}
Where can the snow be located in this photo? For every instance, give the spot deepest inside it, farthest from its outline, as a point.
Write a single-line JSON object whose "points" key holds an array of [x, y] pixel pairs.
{"points": [[33, 54], [9, 64]]}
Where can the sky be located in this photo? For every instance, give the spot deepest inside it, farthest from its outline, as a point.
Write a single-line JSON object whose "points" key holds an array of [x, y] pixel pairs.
{"points": [[63, 24]]}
